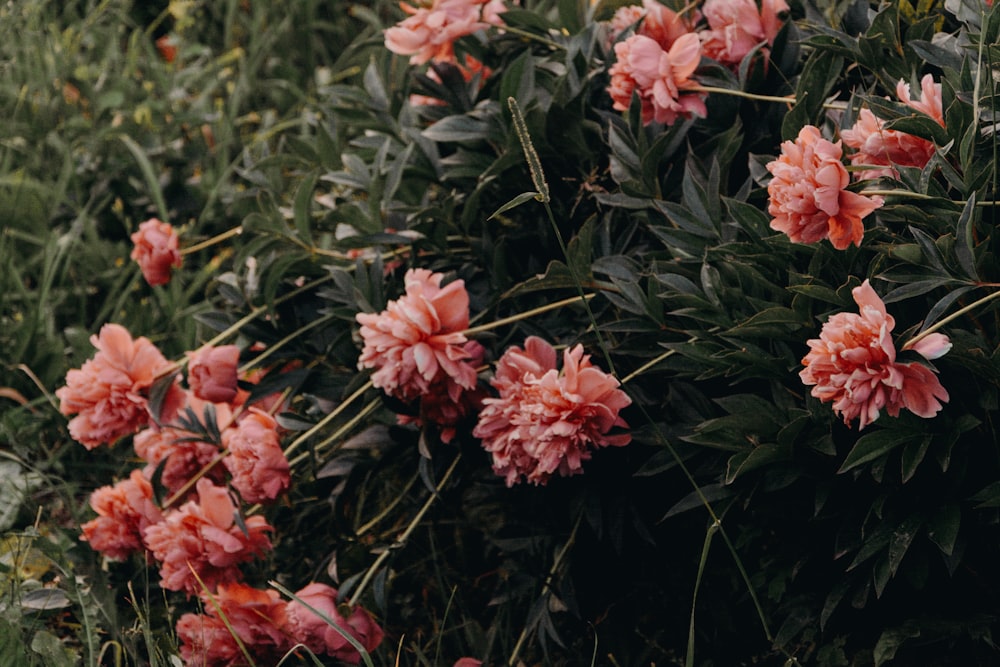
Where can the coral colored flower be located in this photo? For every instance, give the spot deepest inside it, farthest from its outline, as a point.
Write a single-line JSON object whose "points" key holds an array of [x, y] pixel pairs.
{"points": [[256, 617], [439, 408], [256, 461], [167, 48], [659, 22], [662, 79], [808, 201], [307, 628], [545, 421], [429, 33], [415, 343], [212, 373], [468, 662], [737, 26], [108, 393], [124, 511], [178, 455], [156, 251], [853, 365], [875, 145], [204, 536]]}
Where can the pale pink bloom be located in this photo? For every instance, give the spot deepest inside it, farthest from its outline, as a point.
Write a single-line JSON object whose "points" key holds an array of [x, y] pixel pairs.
{"points": [[179, 456], [853, 365], [109, 393], [155, 250], [124, 511], [416, 342], [212, 373], [256, 461], [737, 26], [429, 33], [546, 422], [808, 199], [932, 346], [204, 536], [468, 662], [661, 78], [659, 22], [307, 628], [257, 618], [877, 146]]}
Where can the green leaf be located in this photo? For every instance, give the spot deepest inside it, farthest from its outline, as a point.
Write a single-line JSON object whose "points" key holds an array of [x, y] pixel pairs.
{"points": [[913, 454], [873, 445], [963, 239], [942, 527], [890, 641], [458, 128], [902, 537], [514, 203], [303, 207], [758, 457]]}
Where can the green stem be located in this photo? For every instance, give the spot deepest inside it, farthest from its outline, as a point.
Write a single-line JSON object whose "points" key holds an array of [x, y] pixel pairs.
{"points": [[525, 315], [207, 243], [713, 528], [646, 366], [919, 195], [958, 313], [329, 418], [401, 540], [281, 343], [787, 99], [532, 36]]}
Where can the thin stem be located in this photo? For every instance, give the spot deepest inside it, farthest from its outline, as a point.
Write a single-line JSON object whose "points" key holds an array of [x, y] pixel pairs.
{"points": [[919, 195], [329, 418], [374, 521], [646, 366], [532, 36], [340, 432], [525, 315], [207, 243], [281, 343], [547, 587], [401, 540], [958, 313], [787, 99]]}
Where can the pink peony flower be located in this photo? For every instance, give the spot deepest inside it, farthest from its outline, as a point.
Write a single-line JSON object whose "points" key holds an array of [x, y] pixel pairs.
{"points": [[439, 408], [108, 393], [659, 22], [468, 662], [808, 201], [429, 33], [853, 365], [545, 421], [737, 26], [661, 78], [182, 457], [212, 373], [256, 617], [416, 342], [204, 536], [156, 250], [124, 511], [877, 146], [307, 628], [256, 461]]}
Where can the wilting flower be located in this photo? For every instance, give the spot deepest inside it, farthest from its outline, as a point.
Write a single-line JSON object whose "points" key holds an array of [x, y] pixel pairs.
{"points": [[737, 26], [256, 461], [416, 342], [256, 617], [156, 251], [306, 627], [808, 199], [212, 373], [659, 22], [853, 365], [124, 511], [876, 145], [204, 538], [108, 393], [661, 78], [545, 421], [429, 33]]}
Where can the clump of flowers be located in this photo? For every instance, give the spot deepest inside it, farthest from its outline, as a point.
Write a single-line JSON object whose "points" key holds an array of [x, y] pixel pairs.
{"points": [[124, 511], [853, 365], [109, 393], [256, 461], [658, 22], [546, 421], [661, 78], [257, 618], [203, 538], [306, 627], [416, 345], [156, 251], [178, 455], [877, 146], [808, 199], [429, 33], [736, 27]]}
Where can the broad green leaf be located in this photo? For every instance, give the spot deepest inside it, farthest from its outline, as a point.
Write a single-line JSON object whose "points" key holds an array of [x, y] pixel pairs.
{"points": [[943, 526], [514, 203], [873, 445]]}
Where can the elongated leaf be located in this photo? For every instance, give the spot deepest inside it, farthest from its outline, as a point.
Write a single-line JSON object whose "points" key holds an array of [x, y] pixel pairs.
{"points": [[873, 445], [514, 203]]}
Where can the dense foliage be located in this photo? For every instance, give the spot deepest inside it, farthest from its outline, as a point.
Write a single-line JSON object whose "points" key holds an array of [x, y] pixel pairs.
{"points": [[585, 340]]}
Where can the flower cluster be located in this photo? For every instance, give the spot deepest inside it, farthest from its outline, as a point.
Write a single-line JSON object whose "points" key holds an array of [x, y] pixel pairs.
{"points": [[239, 617], [429, 33], [853, 365], [659, 60]]}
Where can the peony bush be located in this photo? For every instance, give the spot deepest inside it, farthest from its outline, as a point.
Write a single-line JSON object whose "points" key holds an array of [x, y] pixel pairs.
{"points": [[654, 331]]}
